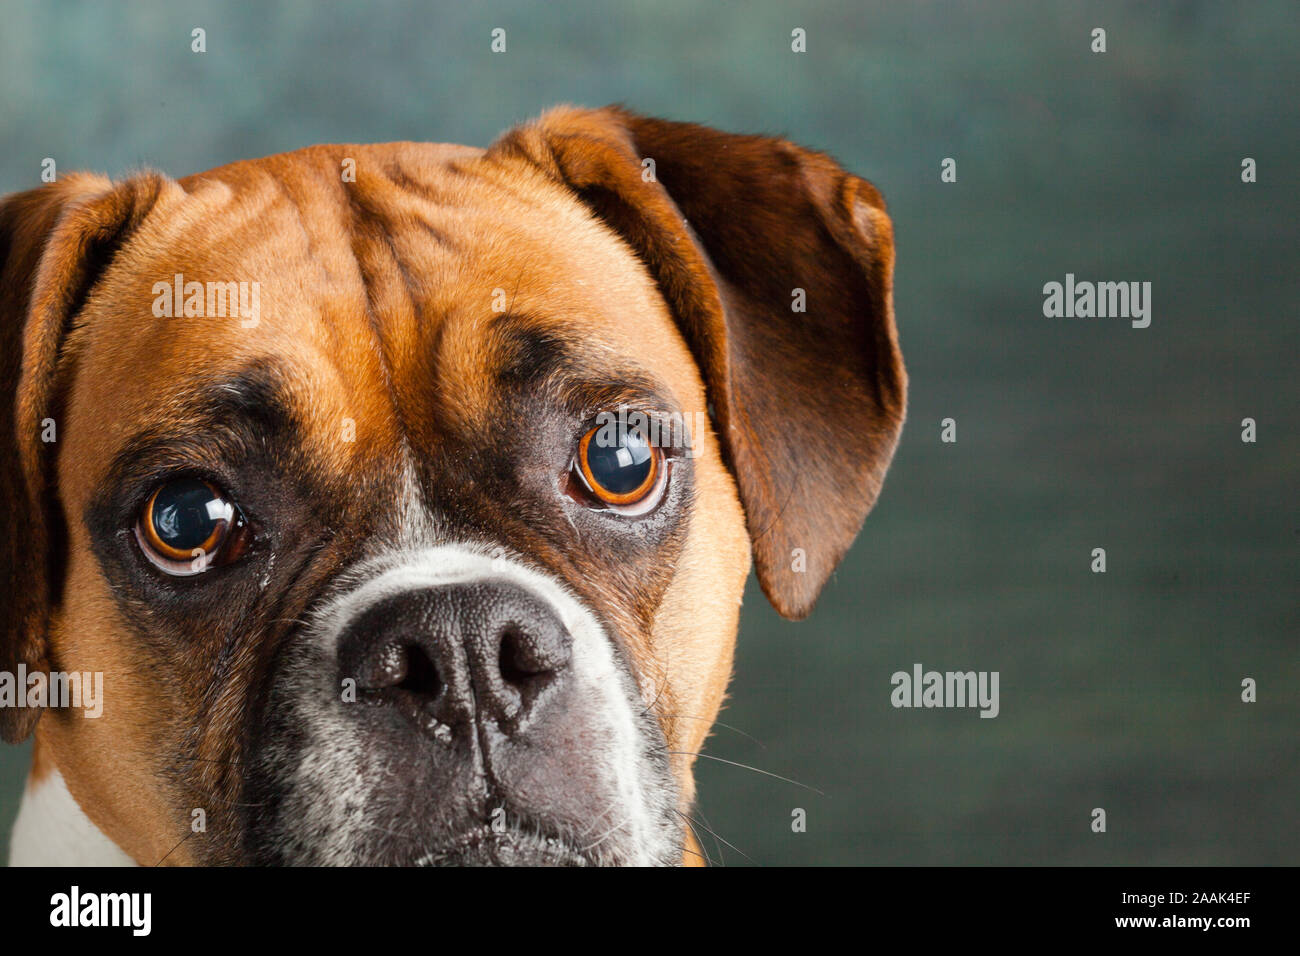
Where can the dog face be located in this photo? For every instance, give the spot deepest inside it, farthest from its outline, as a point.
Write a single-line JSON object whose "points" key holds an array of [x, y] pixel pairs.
{"points": [[435, 553]]}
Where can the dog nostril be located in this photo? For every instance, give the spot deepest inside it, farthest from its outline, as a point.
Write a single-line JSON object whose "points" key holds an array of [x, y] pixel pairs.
{"points": [[525, 655], [401, 666], [419, 673], [513, 661], [520, 658]]}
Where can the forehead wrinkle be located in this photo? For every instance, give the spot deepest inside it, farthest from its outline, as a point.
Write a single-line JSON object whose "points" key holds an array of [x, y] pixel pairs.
{"points": [[414, 203], [304, 213], [377, 283], [386, 283], [458, 357], [390, 287]]}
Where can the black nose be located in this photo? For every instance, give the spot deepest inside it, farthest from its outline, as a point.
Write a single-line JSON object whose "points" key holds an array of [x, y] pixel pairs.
{"points": [[445, 657]]}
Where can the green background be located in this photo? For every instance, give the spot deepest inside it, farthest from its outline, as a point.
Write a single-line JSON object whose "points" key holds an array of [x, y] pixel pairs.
{"points": [[1118, 690]]}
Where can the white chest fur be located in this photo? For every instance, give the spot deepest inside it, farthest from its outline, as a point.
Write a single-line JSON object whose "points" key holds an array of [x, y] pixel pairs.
{"points": [[51, 830]]}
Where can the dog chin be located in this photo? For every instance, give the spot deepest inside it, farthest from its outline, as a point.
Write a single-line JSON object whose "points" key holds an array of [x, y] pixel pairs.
{"points": [[511, 847]]}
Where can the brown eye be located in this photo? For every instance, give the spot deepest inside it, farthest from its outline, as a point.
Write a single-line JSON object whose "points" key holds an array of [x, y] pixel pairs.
{"points": [[619, 466], [189, 525]]}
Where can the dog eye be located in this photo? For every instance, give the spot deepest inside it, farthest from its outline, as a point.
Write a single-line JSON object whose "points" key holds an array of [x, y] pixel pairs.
{"points": [[188, 526], [620, 467]]}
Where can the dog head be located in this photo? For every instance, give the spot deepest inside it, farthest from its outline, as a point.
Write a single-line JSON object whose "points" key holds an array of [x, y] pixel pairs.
{"points": [[431, 549]]}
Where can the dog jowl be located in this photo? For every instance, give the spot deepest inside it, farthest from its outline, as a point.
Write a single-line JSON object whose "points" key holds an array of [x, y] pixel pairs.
{"points": [[368, 581]]}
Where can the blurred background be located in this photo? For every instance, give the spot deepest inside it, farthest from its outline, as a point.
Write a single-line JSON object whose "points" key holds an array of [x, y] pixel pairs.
{"points": [[1118, 690]]}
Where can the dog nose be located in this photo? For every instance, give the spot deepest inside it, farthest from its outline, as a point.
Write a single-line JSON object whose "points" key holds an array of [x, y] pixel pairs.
{"points": [[447, 656]]}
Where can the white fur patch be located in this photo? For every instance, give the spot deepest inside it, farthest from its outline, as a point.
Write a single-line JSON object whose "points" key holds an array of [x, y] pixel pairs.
{"points": [[52, 830]]}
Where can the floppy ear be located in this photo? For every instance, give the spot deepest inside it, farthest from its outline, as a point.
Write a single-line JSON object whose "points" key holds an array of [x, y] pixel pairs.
{"points": [[55, 242], [778, 266]]}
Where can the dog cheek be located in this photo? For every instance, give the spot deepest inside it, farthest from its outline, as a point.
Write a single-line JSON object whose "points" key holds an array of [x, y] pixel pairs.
{"points": [[695, 627]]}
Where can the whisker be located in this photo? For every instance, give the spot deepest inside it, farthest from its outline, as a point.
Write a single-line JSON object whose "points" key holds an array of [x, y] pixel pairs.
{"points": [[651, 705], [723, 839], [717, 723], [174, 849], [745, 766], [606, 835], [703, 854], [686, 849], [709, 823], [227, 763], [594, 823]]}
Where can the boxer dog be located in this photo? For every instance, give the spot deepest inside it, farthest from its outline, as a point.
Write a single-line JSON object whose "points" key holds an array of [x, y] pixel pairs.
{"points": [[304, 456]]}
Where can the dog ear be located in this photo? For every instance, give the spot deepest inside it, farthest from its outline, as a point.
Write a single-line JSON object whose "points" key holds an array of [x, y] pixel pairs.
{"points": [[55, 242], [778, 266]]}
